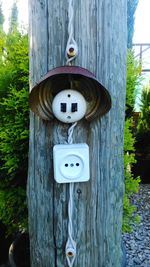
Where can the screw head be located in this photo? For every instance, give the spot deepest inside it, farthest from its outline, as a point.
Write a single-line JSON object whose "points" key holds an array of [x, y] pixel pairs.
{"points": [[72, 50]]}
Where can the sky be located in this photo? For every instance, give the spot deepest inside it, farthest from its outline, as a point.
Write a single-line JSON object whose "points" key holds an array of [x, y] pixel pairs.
{"points": [[23, 11], [142, 22], [142, 30], [142, 35]]}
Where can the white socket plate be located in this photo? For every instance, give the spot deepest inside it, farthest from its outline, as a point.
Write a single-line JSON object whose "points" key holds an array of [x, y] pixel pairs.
{"points": [[71, 163], [68, 97]]}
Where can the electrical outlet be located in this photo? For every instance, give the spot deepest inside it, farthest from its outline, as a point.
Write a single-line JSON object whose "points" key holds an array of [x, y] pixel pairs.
{"points": [[71, 163], [69, 106]]}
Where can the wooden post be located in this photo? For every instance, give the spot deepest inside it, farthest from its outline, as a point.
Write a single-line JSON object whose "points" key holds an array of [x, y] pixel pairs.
{"points": [[100, 31]]}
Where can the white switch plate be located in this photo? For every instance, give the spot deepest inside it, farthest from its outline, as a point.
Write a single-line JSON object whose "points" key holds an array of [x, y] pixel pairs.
{"points": [[71, 163]]}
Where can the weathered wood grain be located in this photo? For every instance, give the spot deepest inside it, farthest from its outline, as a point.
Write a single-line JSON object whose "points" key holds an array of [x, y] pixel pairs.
{"points": [[100, 31]]}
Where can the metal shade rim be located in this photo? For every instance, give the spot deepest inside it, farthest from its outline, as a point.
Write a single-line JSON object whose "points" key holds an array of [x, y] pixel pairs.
{"points": [[73, 70], [65, 72]]}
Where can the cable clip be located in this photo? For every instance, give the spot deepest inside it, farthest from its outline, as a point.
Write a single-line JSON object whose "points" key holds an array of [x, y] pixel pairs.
{"points": [[70, 252], [71, 50]]}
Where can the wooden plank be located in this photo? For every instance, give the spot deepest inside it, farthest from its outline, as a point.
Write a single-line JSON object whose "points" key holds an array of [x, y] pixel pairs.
{"points": [[100, 31]]}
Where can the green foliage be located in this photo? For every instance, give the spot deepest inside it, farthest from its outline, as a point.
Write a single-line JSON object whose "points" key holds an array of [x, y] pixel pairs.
{"points": [[13, 209], [144, 120], [13, 130], [143, 128], [131, 184], [129, 140], [16, 59], [2, 34], [132, 82], [129, 215]]}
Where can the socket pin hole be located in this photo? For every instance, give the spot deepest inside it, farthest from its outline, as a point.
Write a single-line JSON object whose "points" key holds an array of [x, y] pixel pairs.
{"points": [[71, 165], [77, 164], [66, 165], [69, 95]]}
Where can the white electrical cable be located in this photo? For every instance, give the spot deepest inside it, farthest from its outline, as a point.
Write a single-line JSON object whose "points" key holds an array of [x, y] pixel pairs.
{"points": [[72, 47], [71, 53], [71, 244], [70, 133]]}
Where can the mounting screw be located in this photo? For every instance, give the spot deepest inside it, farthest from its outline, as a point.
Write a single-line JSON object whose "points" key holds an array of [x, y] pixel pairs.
{"points": [[70, 253], [79, 192]]}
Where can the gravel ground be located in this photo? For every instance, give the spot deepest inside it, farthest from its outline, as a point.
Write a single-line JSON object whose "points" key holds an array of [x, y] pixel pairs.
{"points": [[137, 243]]}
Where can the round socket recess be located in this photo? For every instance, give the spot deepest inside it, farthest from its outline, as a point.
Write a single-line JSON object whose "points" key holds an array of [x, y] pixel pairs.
{"points": [[72, 167]]}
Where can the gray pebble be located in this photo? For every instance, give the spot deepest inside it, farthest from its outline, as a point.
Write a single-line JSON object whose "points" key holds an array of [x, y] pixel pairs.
{"points": [[137, 243]]}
